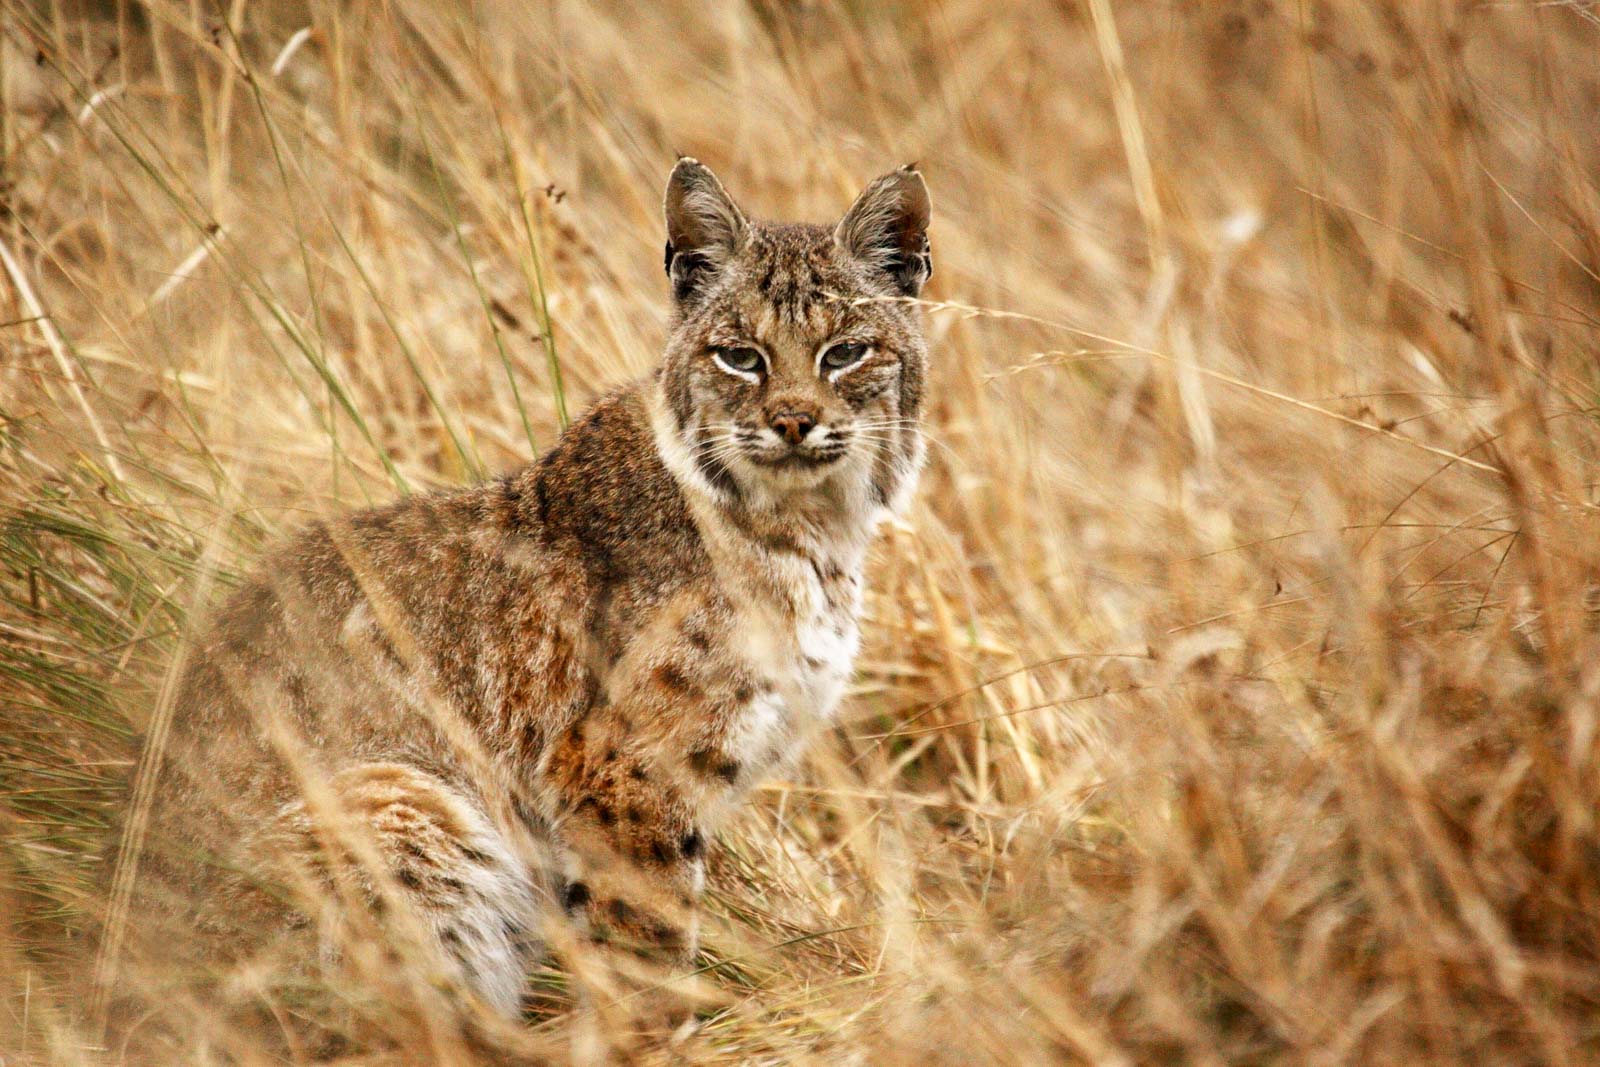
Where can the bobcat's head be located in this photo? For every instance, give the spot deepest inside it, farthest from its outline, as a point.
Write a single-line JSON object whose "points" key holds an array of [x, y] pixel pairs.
{"points": [[793, 366]]}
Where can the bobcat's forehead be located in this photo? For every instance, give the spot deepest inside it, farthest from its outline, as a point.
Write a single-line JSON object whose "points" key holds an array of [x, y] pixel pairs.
{"points": [[788, 282]]}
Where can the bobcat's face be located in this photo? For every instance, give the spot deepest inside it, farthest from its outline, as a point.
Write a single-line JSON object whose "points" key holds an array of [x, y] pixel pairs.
{"points": [[792, 364]]}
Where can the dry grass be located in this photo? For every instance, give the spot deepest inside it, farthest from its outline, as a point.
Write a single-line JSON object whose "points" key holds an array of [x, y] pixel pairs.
{"points": [[1232, 693]]}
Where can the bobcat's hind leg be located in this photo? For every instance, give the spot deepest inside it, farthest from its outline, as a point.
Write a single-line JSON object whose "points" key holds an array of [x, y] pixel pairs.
{"points": [[389, 849]]}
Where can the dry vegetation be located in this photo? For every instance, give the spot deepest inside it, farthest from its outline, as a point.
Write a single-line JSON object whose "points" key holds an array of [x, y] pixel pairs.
{"points": [[1232, 693]]}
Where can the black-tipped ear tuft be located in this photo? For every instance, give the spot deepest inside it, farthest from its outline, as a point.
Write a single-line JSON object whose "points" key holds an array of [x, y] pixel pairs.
{"points": [[704, 226], [887, 227]]}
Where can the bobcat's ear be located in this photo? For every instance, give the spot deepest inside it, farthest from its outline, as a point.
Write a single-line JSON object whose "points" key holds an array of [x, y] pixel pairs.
{"points": [[887, 227], [704, 226]]}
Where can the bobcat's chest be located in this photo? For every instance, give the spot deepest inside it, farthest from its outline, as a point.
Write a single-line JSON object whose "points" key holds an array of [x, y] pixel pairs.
{"points": [[802, 641], [825, 643]]}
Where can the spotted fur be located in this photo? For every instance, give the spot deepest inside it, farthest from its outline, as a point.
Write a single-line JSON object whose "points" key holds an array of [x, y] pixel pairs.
{"points": [[544, 693]]}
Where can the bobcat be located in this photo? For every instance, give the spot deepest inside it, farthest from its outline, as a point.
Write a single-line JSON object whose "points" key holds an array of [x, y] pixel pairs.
{"points": [[475, 708]]}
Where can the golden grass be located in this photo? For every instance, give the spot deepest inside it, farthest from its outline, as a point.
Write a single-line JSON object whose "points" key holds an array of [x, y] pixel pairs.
{"points": [[1232, 692]]}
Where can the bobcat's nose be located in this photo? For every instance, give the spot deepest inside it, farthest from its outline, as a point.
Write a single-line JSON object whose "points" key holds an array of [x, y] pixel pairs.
{"points": [[792, 426]]}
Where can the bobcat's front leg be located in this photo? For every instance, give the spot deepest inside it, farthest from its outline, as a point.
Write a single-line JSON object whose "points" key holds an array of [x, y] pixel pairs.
{"points": [[637, 786], [633, 837], [633, 829]]}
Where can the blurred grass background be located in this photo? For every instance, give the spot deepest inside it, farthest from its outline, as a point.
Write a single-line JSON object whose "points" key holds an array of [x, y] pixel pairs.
{"points": [[1231, 693]]}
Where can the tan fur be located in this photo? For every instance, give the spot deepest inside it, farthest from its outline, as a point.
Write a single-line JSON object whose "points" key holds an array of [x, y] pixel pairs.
{"points": [[464, 710]]}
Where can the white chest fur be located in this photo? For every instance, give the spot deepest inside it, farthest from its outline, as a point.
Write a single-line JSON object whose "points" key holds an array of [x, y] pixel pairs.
{"points": [[802, 640], [825, 640]]}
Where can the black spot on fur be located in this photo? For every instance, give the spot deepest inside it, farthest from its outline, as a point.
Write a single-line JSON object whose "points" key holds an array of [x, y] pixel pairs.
{"points": [[708, 762], [575, 897], [743, 694], [664, 935], [671, 676], [692, 844], [660, 853], [408, 878], [777, 542], [637, 772], [510, 503], [542, 501], [299, 696]]}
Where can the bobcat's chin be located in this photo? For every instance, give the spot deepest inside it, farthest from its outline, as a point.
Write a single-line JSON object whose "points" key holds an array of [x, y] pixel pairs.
{"points": [[794, 459], [789, 471], [788, 474]]}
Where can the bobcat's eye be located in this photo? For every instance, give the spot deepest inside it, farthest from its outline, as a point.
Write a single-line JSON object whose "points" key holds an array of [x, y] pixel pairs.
{"points": [[841, 356], [738, 360]]}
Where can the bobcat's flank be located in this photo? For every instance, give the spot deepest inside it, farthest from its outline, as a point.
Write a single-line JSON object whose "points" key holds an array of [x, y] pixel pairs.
{"points": [[450, 716]]}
